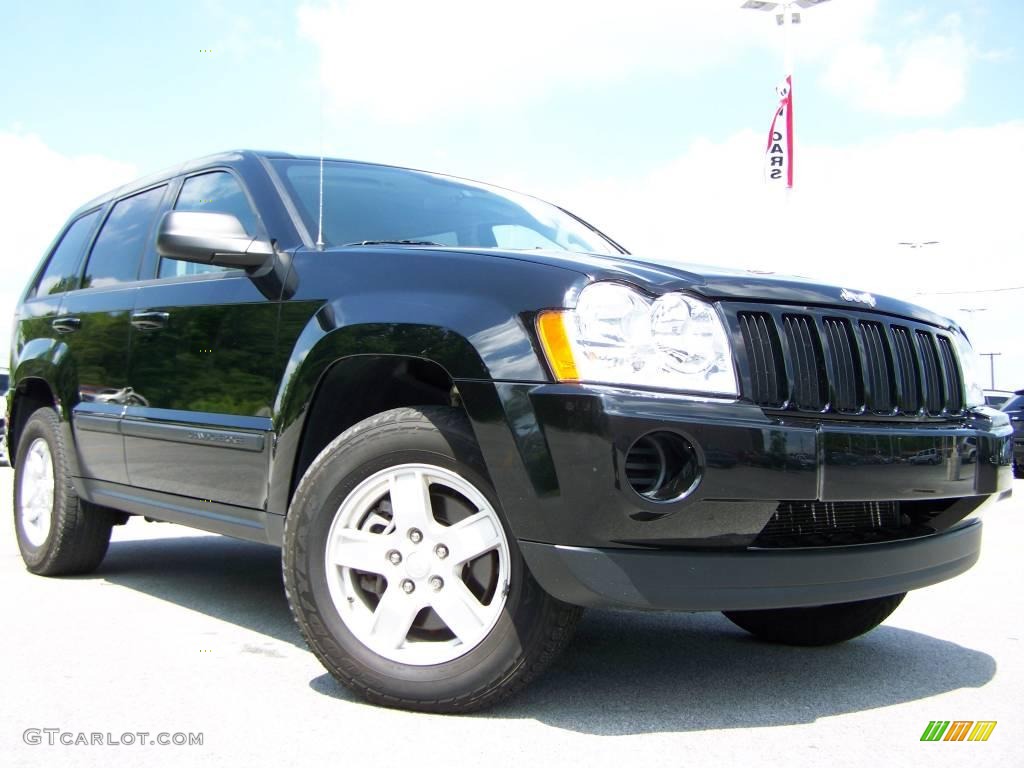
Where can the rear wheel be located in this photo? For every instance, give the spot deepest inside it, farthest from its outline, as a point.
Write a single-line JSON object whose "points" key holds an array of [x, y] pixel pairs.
{"points": [[402, 575], [1018, 470], [818, 625], [58, 533]]}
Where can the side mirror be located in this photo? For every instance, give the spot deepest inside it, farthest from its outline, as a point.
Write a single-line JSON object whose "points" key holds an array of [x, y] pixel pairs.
{"points": [[210, 238]]}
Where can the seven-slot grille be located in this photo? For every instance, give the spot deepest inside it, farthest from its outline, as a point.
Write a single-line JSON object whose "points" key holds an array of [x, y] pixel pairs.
{"points": [[844, 363]]}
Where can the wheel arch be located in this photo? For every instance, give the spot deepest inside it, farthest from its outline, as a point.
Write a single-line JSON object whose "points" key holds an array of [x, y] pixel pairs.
{"points": [[27, 396], [348, 390], [370, 361], [361, 386]]}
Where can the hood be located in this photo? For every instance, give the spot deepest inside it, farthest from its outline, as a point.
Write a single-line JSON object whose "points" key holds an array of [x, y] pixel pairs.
{"points": [[719, 283]]}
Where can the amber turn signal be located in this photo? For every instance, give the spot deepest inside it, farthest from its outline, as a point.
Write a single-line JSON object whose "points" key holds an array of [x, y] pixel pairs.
{"points": [[551, 329]]}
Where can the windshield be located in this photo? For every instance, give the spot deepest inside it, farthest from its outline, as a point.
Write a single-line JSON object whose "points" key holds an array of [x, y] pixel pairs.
{"points": [[379, 203]]}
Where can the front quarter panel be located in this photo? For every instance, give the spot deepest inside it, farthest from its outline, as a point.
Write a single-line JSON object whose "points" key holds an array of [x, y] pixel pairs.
{"points": [[469, 313]]}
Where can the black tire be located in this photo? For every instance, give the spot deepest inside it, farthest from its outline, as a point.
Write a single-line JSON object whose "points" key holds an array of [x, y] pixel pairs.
{"points": [[819, 625], [1018, 470], [79, 532], [530, 632]]}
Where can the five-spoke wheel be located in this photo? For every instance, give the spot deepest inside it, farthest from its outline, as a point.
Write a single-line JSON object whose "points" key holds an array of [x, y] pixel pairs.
{"points": [[403, 576], [35, 497], [417, 564]]}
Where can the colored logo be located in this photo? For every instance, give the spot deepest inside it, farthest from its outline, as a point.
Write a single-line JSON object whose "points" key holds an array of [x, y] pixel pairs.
{"points": [[958, 730]]}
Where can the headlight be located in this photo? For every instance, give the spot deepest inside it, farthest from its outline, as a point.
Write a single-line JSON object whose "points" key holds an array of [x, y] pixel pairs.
{"points": [[617, 335], [970, 367]]}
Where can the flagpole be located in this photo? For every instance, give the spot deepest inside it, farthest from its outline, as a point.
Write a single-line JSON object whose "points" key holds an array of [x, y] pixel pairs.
{"points": [[787, 65], [785, 16], [787, 43]]}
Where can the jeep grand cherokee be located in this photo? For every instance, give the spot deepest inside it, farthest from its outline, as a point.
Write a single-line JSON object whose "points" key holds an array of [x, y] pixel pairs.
{"points": [[465, 414]]}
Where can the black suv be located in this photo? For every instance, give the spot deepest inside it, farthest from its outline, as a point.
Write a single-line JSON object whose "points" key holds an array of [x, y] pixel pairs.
{"points": [[1014, 408], [465, 414]]}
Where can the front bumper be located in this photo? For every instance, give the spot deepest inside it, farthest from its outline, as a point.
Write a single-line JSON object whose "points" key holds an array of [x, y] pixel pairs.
{"points": [[557, 454], [749, 580]]}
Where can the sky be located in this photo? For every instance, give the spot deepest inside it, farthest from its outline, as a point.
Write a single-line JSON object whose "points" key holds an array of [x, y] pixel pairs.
{"points": [[647, 118]]}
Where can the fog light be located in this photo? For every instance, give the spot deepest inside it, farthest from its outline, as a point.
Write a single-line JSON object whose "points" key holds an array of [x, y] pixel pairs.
{"points": [[662, 466]]}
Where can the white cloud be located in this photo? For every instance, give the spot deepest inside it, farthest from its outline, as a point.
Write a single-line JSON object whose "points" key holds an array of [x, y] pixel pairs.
{"points": [[407, 59], [241, 37], [924, 76], [41, 187]]}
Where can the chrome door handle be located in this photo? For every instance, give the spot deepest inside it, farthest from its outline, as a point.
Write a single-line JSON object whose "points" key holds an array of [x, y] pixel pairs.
{"points": [[66, 324], [150, 321]]}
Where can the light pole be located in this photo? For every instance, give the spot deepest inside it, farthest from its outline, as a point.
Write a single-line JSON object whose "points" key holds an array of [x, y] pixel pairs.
{"points": [[991, 365], [785, 17]]}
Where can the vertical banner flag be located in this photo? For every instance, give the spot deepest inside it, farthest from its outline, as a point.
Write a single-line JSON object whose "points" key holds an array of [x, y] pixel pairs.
{"points": [[778, 156]]}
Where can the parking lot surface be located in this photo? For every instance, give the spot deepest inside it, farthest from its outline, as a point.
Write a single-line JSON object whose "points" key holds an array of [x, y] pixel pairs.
{"points": [[180, 632]]}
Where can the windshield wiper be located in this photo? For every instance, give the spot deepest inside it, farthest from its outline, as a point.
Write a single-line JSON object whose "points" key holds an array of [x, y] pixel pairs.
{"points": [[390, 242]]}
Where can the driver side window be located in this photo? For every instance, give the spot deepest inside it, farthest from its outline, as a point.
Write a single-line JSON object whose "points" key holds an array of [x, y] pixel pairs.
{"points": [[215, 192]]}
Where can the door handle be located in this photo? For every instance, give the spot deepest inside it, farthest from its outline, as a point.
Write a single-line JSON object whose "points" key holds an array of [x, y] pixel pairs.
{"points": [[150, 321], [66, 324]]}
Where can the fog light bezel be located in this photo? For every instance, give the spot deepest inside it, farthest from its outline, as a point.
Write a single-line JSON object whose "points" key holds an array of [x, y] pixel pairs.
{"points": [[681, 469]]}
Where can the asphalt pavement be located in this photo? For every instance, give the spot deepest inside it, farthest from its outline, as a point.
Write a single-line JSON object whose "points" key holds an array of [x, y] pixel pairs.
{"points": [[181, 633]]}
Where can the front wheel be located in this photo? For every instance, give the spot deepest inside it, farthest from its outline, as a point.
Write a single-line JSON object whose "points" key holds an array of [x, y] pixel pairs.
{"points": [[402, 575], [818, 625]]}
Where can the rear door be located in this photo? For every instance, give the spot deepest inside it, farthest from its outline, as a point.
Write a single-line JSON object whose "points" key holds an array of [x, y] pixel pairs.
{"points": [[202, 368], [38, 327], [37, 320], [94, 322]]}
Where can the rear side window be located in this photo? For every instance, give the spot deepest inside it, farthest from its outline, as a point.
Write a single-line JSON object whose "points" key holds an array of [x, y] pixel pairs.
{"points": [[217, 192], [62, 269], [126, 234]]}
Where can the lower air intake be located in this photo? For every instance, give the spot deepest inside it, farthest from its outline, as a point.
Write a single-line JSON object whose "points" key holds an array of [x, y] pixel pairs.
{"points": [[828, 523]]}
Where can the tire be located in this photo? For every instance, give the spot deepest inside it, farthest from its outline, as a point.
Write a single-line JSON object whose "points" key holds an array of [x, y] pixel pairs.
{"points": [[1018, 470], [58, 533], [388, 630], [820, 625]]}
